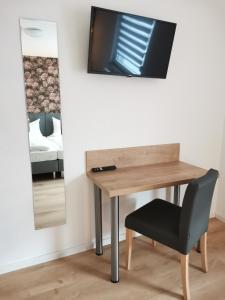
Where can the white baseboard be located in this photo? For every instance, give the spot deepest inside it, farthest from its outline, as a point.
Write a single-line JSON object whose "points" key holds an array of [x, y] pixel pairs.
{"points": [[24, 263], [221, 218], [28, 262]]}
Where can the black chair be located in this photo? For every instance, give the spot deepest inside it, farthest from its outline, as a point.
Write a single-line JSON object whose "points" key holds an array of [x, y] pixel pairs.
{"points": [[179, 228]]}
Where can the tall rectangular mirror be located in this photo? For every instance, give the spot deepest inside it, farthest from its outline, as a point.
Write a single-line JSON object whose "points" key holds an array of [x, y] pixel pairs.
{"points": [[43, 108]]}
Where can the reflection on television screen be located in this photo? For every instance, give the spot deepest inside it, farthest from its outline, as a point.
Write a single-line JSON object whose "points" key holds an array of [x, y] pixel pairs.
{"points": [[124, 44]]}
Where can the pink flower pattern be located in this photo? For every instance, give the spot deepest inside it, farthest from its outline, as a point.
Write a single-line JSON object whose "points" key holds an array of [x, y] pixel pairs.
{"points": [[41, 76]]}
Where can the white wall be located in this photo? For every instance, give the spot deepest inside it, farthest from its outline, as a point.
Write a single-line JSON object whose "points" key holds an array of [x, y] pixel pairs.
{"points": [[104, 112], [220, 205]]}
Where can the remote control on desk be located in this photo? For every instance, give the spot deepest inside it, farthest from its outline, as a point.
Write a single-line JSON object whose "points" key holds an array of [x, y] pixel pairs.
{"points": [[102, 169]]}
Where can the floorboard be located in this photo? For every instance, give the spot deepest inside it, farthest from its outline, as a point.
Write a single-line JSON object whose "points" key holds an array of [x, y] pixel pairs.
{"points": [[49, 203]]}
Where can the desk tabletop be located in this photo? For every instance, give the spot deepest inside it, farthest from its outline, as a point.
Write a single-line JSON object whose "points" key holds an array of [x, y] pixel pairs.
{"points": [[123, 181]]}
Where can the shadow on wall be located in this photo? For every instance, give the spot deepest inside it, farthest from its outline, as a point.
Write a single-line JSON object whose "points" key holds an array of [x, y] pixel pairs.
{"points": [[81, 213], [80, 198]]}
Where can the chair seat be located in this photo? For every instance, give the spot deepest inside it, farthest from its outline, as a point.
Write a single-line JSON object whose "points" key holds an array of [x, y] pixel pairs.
{"points": [[158, 220]]}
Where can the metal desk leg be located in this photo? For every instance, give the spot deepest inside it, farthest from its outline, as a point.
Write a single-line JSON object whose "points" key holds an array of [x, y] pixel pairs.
{"points": [[176, 197], [115, 239], [98, 220]]}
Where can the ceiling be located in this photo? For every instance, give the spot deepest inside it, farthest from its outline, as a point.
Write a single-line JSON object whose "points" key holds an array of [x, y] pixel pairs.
{"points": [[39, 38]]}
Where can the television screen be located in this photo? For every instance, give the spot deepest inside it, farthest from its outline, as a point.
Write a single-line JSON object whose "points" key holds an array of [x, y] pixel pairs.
{"points": [[129, 45]]}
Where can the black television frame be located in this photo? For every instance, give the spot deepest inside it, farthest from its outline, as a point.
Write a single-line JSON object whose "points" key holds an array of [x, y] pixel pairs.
{"points": [[91, 30]]}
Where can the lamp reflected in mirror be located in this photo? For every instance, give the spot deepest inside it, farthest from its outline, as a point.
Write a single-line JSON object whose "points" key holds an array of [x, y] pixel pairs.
{"points": [[43, 107]]}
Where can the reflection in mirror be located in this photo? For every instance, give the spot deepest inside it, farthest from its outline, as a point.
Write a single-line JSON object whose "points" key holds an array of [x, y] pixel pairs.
{"points": [[43, 104]]}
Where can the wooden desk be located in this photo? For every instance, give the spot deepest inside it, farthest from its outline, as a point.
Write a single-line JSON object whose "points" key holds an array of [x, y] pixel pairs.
{"points": [[139, 169], [143, 178]]}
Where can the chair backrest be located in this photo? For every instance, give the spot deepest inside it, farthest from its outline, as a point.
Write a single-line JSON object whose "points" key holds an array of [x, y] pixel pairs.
{"points": [[196, 209]]}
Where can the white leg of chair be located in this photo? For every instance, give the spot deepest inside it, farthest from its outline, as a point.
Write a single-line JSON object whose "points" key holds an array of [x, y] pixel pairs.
{"points": [[129, 242], [184, 259], [203, 247]]}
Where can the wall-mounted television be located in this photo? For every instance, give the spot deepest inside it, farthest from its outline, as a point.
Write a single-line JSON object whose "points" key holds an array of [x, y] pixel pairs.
{"points": [[129, 45]]}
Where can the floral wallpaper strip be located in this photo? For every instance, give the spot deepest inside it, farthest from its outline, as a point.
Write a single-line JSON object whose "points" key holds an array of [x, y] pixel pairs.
{"points": [[42, 84]]}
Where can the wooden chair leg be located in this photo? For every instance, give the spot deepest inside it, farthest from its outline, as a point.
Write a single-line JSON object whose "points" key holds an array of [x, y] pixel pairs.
{"points": [[154, 244], [129, 240], [203, 247], [184, 259]]}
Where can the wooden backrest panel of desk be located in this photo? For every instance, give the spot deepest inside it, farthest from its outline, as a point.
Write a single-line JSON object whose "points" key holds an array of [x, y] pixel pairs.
{"points": [[140, 169], [133, 156]]}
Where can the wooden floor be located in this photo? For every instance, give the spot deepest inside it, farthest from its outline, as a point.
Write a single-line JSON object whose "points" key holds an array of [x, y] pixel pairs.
{"points": [[49, 203], [155, 275]]}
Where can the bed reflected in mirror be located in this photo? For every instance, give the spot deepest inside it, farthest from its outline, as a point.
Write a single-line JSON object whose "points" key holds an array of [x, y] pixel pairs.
{"points": [[43, 108]]}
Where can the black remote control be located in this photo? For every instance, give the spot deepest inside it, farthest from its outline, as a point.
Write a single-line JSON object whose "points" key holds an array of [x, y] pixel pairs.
{"points": [[102, 169]]}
